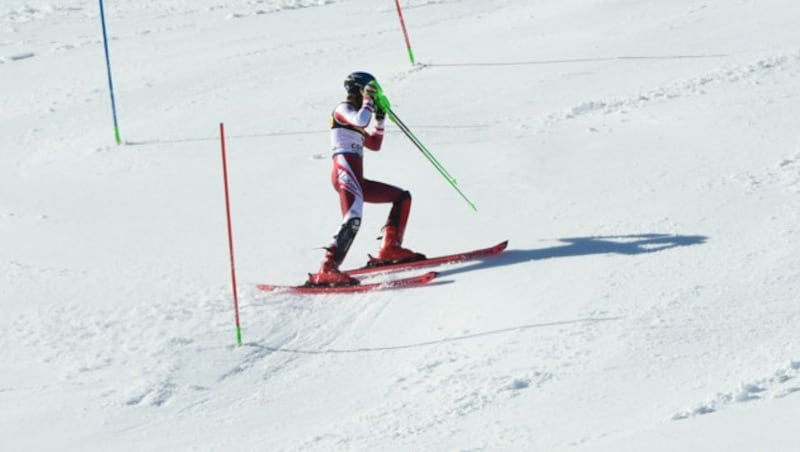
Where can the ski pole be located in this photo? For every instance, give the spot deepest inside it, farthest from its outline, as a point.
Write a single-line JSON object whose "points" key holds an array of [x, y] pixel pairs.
{"points": [[382, 102], [450, 179], [404, 128]]}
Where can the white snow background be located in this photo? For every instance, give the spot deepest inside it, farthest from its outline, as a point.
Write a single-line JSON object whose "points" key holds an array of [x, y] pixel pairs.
{"points": [[642, 158]]}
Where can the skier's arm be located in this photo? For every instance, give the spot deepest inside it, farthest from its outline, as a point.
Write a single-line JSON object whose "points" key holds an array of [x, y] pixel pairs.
{"points": [[373, 141], [347, 115]]}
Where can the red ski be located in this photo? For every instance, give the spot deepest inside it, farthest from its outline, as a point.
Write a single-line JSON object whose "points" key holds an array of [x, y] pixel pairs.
{"points": [[403, 282], [432, 261]]}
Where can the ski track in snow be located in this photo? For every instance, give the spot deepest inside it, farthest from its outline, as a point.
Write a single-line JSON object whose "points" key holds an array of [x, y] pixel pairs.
{"points": [[20, 12], [21, 15], [785, 174], [412, 409], [17, 56], [781, 383], [690, 87], [151, 345], [154, 344], [16, 12], [451, 382]]}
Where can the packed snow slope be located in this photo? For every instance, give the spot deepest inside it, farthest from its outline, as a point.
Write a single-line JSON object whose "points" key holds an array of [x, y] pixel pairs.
{"points": [[641, 157]]}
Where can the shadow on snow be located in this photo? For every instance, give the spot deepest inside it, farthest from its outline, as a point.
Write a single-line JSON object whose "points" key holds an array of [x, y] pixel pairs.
{"points": [[576, 60], [582, 246], [265, 348]]}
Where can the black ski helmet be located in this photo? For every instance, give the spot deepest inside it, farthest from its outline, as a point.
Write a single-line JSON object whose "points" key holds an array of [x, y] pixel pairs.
{"points": [[356, 81]]}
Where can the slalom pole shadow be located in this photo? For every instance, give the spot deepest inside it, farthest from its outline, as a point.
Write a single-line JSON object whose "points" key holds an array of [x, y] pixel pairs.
{"points": [[156, 141], [575, 60], [262, 350]]}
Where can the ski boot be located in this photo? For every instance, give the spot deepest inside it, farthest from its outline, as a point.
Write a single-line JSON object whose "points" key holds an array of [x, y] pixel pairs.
{"points": [[329, 274], [391, 252]]}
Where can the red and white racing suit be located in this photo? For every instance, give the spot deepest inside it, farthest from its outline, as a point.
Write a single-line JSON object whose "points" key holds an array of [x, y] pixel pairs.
{"points": [[348, 140]]}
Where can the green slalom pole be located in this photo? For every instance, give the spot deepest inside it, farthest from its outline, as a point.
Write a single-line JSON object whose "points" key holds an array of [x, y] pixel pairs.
{"points": [[382, 103]]}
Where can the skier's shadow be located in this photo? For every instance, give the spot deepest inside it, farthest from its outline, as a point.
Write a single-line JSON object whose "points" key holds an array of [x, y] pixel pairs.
{"points": [[582, 246]]}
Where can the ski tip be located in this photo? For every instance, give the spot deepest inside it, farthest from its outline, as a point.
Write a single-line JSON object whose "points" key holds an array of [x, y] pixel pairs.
{"points": [[418, 280], [268, 287]]}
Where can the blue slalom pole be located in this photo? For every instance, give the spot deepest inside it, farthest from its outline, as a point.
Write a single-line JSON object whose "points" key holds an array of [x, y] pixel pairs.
{"points": [[108, 71]]}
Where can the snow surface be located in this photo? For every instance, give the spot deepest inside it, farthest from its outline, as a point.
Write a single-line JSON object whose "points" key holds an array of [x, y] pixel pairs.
{"points": [[642, 158]]}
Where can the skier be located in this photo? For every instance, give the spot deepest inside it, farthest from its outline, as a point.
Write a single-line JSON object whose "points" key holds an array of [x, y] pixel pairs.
{"points": [[349, 121]]}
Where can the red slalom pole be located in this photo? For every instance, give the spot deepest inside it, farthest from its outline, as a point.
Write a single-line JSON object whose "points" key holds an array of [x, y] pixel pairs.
{"points": [[405, 32], [230, 233]]}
